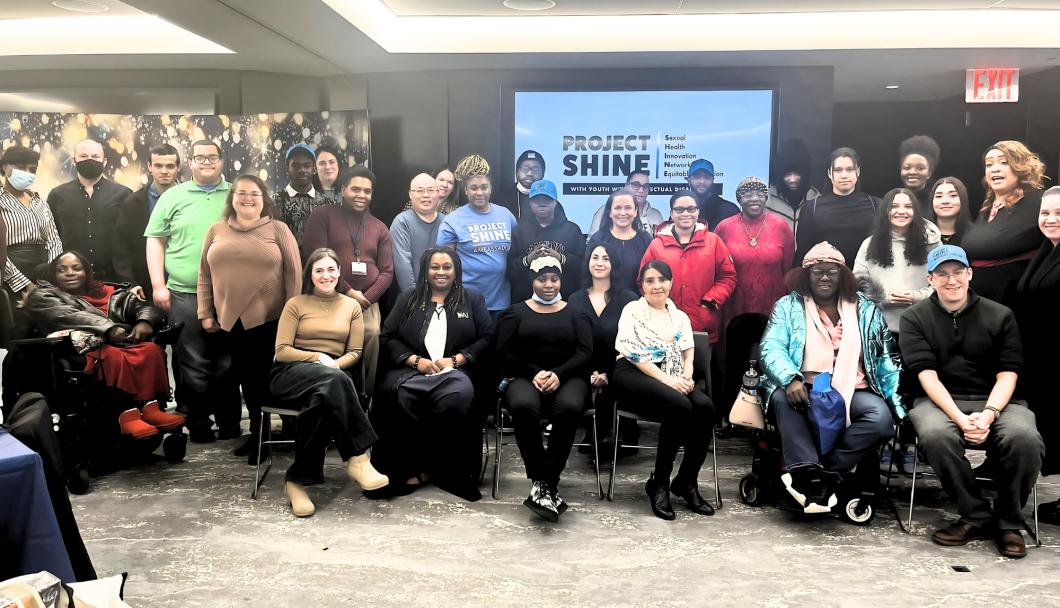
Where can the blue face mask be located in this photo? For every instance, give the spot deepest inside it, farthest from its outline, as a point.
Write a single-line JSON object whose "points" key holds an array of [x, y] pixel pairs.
{"points": [[21, 180], [541, 300]]}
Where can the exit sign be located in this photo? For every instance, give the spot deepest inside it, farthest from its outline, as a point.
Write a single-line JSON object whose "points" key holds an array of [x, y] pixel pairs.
{"points": [[999, 85]]}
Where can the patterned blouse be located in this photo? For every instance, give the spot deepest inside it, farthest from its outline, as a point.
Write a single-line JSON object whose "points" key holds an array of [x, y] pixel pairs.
{"points": [[646, 334], [33, 225]]}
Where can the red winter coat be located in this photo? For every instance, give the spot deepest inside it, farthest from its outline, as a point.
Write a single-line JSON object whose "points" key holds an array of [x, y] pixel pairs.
{"points": [[703, 273]]}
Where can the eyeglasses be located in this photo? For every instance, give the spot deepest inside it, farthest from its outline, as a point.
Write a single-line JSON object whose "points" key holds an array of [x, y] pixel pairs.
{"points": [[203, 160], [243, 194], [820, 274], [946, 276], [422, 191], [684, 209], [637, 185]]}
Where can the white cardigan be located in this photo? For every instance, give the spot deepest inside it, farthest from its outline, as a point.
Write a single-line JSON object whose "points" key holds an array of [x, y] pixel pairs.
{"points": [[901, 276]]}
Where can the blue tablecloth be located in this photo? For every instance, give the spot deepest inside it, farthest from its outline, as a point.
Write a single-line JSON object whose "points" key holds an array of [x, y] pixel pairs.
{"points": [[27, 519]]}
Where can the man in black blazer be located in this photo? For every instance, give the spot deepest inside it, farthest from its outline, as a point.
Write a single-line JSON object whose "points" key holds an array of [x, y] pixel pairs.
{"points": [[131, 246]]}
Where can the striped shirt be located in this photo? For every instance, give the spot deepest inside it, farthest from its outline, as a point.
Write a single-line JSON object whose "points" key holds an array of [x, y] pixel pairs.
{"points": [[33, 225]]}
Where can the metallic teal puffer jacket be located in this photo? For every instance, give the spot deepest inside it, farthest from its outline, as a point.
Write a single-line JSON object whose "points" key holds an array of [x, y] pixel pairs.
{"points": [[784, 344]]}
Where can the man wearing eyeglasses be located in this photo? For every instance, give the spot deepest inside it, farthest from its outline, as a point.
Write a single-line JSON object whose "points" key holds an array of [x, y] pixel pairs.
{"points": [[965, 351], [640, 183], [175, 234], [299, 198], [86, 209], [415, 230]]}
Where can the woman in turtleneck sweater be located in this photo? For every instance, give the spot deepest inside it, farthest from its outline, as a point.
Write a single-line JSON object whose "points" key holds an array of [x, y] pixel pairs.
{"points": [[318, 343], [1002, 241], [248, 269]]}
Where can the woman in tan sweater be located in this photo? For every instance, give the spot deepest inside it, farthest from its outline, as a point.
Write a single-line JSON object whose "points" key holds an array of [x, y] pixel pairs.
{"points": [[249, 268], [319, 340]]}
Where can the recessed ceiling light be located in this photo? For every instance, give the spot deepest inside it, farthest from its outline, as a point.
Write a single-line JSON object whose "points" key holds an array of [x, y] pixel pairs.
{"points": [[529, 5], [81, 6], [893, 86]]}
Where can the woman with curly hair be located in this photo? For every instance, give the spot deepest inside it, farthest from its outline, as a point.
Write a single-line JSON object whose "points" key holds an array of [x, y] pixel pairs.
{"points": [[893, 260], [918, 156], [481, 233], [1004, 238]]}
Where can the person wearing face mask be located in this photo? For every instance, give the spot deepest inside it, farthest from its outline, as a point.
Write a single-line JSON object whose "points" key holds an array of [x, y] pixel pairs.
{"points": [[949, 201], [481, 232], [300, 197], [250, 267], [415, 230], [529, 168], [545, 228], [918, 156], [362, 242], [1004, 238], [86, 209], [787, 196], [1038, 292], [842, 217], [29, 228], [130, 263], [431, 345], [546, 348], [892, 263]]}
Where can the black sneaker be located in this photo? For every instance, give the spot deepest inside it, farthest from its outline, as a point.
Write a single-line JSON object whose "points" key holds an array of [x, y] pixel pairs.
{"points": [[540, 502], [561, 505], [810, 487]]}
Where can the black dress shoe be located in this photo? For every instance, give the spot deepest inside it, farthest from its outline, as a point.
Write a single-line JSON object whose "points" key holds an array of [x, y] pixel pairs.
{"points": [[659, 498], [250, 446], [229, 432], [540, 502], [693, 499], [202, 434]]}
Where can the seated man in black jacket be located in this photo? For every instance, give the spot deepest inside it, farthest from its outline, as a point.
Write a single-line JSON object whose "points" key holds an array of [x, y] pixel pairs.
{"points": [[965, 351], [547, 228]]}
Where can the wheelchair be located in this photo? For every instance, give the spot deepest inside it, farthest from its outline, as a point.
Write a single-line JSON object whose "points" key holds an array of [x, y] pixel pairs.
{"points": [[84, 410]]}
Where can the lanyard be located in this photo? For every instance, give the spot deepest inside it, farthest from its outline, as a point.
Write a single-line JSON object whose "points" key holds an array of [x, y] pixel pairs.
{"points": [[355, 238]]}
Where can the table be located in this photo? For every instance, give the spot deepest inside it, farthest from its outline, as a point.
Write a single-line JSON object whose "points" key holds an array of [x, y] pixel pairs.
{"points": [[27, 519]]}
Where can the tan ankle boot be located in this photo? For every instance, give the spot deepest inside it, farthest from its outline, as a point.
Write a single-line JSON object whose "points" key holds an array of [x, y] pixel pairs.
{"points": [[297, 497], [361, 471]]}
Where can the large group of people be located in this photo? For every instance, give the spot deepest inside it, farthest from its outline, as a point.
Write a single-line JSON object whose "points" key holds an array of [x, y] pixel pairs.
{"points": [[283, 299]]}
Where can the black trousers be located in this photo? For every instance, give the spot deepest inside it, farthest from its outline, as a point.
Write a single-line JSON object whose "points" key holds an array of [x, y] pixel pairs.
{"points": [[251, 351], [428, 424], [686, 419], [330, 411], [203, 361], [563, 408]]}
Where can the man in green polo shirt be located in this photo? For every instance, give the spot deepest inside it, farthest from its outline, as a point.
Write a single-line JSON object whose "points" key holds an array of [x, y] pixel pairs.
{"points": [[175, 235]]}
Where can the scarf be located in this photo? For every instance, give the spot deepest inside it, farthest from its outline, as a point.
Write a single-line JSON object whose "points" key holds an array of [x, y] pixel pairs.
{"points": [[643, 340], [821, 355]]}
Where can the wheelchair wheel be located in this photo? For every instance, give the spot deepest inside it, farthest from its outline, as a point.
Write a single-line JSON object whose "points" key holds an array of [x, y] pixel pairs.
{"points": [[750, 491], [858, 512], [78, 481], [175, 447]]}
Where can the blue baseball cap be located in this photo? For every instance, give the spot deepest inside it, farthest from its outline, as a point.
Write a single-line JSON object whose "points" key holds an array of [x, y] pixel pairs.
{"points": [[701, 164], [306, 147], [946, 253], [543, 187]]}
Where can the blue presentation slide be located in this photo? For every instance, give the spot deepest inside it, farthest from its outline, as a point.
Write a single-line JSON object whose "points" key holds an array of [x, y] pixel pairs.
{"points": [[592, 140]]}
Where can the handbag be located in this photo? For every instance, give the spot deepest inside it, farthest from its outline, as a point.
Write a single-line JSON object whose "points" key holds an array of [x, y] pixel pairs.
{"points": [[827, 414]]}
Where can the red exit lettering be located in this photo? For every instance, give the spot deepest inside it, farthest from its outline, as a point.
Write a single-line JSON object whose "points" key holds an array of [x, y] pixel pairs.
{"points": [[992, 85]]}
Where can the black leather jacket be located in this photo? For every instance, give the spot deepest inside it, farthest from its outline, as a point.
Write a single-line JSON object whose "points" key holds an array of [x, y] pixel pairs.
{"points": [[52, 309]]}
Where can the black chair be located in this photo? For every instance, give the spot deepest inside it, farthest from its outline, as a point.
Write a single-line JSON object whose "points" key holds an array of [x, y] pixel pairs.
{"points": [[701, 363]]}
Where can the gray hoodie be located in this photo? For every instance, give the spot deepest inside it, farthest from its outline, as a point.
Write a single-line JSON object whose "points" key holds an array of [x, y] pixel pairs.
{"points": [[900, 276]]}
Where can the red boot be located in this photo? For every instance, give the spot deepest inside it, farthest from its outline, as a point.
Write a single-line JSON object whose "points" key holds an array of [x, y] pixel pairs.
{"points": [[163, 421], [133, 424]]}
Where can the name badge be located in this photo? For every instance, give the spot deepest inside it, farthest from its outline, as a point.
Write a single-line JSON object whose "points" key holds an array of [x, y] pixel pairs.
{"points": [[462, 315], [359, 269]]}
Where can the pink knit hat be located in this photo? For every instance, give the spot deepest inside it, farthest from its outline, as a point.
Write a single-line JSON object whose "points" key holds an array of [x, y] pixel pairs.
{"points": [[823, 252]]}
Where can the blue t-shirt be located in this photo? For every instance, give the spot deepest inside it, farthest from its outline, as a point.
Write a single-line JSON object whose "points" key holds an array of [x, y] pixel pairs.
{"points": [[482, 240]]}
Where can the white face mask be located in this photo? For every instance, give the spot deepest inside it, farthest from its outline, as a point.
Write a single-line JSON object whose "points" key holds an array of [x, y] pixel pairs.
{"points": [[21, 180]]}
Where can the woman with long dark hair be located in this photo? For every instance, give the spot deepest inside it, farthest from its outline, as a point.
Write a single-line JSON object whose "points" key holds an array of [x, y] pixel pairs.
{"points": [[953, 216], [621, 228], [825, 325], [431, 341], [892, 262], [1004, 238], [250, 266], [318, 342], [118, 349], [655, 375]]}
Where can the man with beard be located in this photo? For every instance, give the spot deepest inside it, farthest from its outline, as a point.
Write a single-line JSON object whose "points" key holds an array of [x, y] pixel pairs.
{"points": [[787, 196], [712, 208], [529, 167], [86, 209], [298, 200]]}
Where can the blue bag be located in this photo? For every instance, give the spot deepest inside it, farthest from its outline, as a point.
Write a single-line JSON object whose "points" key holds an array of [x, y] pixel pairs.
{"points": [[828, 413]]}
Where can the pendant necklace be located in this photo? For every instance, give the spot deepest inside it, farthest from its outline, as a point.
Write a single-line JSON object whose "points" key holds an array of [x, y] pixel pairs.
{"points": [[753, 242]]}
